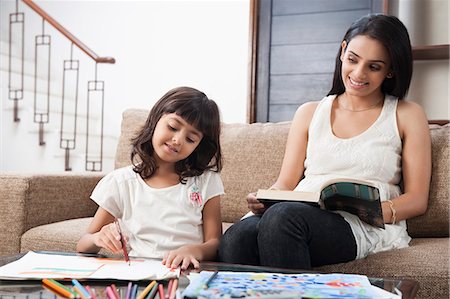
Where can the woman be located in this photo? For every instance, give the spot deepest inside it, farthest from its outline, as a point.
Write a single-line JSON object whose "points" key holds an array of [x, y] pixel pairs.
{"points": [[363, 129]]}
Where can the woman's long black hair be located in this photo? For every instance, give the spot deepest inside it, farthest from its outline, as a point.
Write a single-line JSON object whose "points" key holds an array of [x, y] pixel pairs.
{"points": [[394, 36]]}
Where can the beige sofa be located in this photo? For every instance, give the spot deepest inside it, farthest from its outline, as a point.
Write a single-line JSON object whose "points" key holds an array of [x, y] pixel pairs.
{"points": [[50, 212]]}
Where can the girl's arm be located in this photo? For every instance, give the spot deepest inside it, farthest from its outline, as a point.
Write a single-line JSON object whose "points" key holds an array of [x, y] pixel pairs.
{"points": [[294, 156], [101, 233], [212, 231], [416, 163]]}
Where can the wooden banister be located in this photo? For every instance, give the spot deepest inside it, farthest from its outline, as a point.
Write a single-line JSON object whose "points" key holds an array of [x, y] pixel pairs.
{"points": [[67, 34]]}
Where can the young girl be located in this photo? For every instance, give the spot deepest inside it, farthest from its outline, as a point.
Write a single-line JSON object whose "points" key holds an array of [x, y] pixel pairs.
{"points": [[168, 201], [362, 129]]}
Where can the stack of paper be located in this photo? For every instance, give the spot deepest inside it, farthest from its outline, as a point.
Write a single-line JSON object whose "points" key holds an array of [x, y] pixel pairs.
{"points": [[39, 265]]}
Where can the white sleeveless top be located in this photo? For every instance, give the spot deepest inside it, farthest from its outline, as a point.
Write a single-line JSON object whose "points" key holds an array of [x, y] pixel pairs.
{"points": [[374, 155]]}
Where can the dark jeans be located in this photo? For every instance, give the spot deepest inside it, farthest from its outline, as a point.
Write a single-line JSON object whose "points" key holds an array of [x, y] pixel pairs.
{"points": [[289, 235]]}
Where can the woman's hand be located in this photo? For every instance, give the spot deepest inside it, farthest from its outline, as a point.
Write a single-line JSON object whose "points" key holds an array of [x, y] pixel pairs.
{"points": [[109, 238], [183, 257], [255, 205]]}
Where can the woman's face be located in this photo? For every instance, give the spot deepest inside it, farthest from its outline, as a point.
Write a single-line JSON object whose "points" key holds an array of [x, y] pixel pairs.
{"points": [[365, 65]]}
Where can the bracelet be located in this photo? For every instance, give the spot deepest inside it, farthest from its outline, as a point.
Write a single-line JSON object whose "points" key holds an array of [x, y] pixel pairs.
{"points": [[394, 212]]}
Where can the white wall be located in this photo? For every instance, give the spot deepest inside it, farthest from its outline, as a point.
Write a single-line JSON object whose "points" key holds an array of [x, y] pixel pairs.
{"points": [[157, 45], [427, 22]]}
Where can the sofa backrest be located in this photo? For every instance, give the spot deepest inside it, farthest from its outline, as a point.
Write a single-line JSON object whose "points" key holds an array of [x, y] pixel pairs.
{"points": [[253, 153]]}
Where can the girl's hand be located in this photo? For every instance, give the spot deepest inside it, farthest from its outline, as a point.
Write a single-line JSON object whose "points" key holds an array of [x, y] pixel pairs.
{"points": [[255, 205], [109, 238], [183, 257]]}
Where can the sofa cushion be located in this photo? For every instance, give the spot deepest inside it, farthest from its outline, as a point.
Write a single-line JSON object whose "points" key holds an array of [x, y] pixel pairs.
{"points": [[58, 236], [62, 236], [435, 222], [426, 260], [252, 156]]}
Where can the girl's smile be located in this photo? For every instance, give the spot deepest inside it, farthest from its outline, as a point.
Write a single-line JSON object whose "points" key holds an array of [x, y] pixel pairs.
{"points": [[174, 139]]}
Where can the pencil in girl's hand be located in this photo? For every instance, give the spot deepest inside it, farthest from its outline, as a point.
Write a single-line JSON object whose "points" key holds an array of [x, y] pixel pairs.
{"points": [[124, 243]]}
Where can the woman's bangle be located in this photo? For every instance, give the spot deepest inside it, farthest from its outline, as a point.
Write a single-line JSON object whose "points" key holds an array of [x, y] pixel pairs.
{"points": [[394, 212]]}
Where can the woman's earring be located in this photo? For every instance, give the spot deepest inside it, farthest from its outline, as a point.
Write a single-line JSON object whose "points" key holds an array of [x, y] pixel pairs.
{"points": [[389, 75]]}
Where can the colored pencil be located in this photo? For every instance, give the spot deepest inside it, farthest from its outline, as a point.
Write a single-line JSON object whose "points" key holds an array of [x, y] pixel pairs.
{"points": [[91, 292], [124, 243], [152, 293], [169, 287], [146, 290], [80, 289], [80, 293], [210, 279], [173, 290], [161, 291], [110, 293], [57, 287], [114, 289], [130, 286], [134, 291]]}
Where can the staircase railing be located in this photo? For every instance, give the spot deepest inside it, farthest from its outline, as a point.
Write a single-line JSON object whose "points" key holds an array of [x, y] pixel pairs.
{"points": [[69, 113]]}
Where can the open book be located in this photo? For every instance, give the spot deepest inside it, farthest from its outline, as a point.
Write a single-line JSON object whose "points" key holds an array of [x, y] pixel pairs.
{"points": [[360, 198]]}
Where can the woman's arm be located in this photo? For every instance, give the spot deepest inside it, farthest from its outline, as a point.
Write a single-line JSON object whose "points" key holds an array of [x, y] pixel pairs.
{"points": [[416, 163], [295, 153], [212, 231], [101, 233]]}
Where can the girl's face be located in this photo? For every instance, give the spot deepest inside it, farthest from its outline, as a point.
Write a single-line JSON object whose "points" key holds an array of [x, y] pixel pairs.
{"points": [[174, 139], [365, 65]]}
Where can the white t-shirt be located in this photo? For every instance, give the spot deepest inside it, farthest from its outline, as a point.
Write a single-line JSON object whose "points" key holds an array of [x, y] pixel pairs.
{"points": [[157, 220], [374, 155]]}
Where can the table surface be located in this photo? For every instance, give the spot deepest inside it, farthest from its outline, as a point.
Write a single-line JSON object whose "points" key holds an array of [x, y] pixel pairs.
{"points": [[31, 289]]}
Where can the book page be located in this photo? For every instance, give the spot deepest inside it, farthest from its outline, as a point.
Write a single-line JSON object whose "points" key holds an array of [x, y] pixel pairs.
{"points": [[285, 195]]}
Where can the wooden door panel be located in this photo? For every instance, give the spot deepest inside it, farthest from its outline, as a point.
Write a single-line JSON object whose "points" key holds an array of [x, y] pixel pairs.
{"points": [[313, 28], [286, 7]]}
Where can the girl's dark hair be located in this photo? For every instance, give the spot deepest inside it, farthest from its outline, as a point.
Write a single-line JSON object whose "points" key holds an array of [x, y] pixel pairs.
{"points": [[196, 109], [394, 36]]}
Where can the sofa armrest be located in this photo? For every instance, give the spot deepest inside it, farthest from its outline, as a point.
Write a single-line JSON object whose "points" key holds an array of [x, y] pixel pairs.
{"points": [[30, 200]]}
